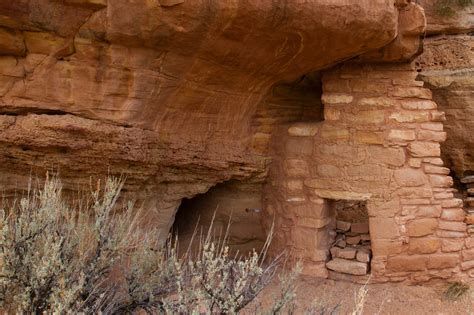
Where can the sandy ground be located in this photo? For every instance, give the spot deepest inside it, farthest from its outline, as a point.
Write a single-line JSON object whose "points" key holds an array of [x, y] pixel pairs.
{"points": [[388, 298]]}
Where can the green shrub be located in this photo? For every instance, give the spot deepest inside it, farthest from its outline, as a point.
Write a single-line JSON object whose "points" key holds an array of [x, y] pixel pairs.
{"points": [[94, 259]]}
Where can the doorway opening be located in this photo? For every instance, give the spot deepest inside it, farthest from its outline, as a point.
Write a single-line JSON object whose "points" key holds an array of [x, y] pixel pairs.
{"points": [[350, 250]]}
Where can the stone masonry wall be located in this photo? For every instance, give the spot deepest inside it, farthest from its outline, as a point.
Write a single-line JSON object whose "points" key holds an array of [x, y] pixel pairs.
{"points": [[380, 142]]}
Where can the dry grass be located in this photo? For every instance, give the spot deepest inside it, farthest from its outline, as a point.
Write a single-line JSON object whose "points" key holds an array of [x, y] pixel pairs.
{"points": [[96, 259], [455, 290]]}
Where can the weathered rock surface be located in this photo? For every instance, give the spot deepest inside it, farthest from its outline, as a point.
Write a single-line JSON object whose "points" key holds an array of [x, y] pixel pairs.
{"points": [[447, 68], [448, 17], [173, 94]]}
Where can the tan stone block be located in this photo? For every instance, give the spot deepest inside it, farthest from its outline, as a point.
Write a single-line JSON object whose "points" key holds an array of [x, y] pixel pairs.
{"points": [[424, 149], [415, 201], [434, 161], [367, 117], [442, 261], [333, 98], [383, 228], [383, 248], [332, 114], [415, 162], [389, 156], [360, 227], [423, 245], [418, 105], [444, 195], [452, 245], [96, 4], [415, 192], [365, 86], [467, 265], [310, 210], [296, 168], [347, 266], [343, 195], [406, 263], [469, 241], [431, 211], [334, 133], [343, 226], [327, 170], [409, 177], [383, 209], [347, 253], [410, 210], [468, 254], [294, 185], [431, 169], [434, 126], [299, 146], [401, 135], [452, 226], [410, 117], [438, 116], [365, 237], [381, 101], [441, 181], [363, 256], [369, 137], [427, 135], [452, 203], [453, 215], [450, 234], [467, 179], [422, 227], [304, 129], [11, 42], [469, 219], [411, 92], [353, 240]]}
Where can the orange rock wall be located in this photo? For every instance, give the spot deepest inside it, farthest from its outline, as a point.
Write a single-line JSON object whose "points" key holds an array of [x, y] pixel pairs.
{"points": [[380, 142]]}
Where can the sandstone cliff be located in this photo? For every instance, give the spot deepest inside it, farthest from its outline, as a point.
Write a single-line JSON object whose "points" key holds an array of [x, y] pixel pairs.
{"points": [[167, 95]]}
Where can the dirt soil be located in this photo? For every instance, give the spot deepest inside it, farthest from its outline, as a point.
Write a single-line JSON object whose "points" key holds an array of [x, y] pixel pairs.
{"points": [[387, 298]]}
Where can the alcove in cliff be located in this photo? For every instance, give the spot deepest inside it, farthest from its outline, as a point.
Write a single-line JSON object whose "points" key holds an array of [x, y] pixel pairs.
{"points": [[235, 203]]}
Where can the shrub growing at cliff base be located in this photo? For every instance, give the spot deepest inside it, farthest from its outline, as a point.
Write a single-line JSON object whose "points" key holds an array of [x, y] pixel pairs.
{"points": [[95, 258]]}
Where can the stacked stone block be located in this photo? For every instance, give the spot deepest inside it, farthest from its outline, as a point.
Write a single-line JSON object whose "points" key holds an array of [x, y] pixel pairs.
{"points": [[380, 142], [351, 252], [469, 182]]}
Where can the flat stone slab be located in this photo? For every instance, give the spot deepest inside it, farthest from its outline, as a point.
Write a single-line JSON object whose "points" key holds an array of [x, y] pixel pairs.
{"points": [[343, 226], [363, 256], [347, 253], [361, 227], [351, 267], [468, 179], [353, 240]]}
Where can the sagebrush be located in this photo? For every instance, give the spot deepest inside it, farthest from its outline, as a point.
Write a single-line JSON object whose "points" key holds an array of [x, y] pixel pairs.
{"points": [[95, 258]]}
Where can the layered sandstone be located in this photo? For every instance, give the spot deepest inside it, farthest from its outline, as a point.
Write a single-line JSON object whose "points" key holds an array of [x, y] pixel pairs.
{"points": [[167, 93]]}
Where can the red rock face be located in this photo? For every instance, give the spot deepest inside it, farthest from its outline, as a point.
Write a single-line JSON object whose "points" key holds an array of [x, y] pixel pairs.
{"points": [[179, 96], [166, 93], [447, 68]]}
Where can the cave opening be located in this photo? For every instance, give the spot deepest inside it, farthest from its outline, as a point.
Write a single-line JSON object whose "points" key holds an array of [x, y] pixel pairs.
{"points": [[232, 204]]}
